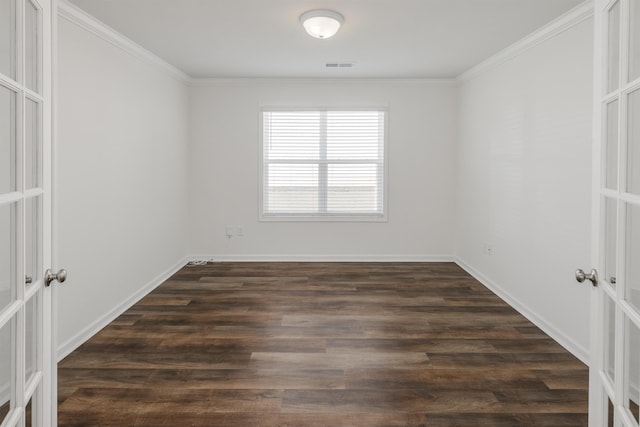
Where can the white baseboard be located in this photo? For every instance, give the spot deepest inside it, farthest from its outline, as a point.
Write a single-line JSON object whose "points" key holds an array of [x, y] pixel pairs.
{"points": [[74, 342], [323, 258], [562, 339]]}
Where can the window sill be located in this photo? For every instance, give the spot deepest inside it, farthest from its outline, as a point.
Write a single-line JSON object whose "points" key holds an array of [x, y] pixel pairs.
{"points": [[323, 218]]}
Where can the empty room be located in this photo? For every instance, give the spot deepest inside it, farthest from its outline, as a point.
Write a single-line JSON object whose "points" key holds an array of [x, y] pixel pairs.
{"points": [[319, 213]]}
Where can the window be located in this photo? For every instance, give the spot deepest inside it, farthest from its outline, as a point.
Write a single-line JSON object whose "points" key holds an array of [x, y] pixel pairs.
{"points": [[323, 164]]}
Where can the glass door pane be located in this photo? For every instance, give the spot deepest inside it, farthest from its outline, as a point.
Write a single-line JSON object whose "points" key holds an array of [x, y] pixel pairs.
{"points": [[7, 38], [7, 255], [28, 414], [31, 337], [609, 338], [634, 48], [611, 146], [610, 413], [633, 143], [632, 284], [7, 140], [6, 369], [31, 45], [610, 240], [32, 144], [33, 237], [613, 48], [632, 374]]}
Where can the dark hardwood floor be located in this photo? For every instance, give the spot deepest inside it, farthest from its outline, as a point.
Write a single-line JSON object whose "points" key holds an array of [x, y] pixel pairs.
{"points": [[322, 344]]}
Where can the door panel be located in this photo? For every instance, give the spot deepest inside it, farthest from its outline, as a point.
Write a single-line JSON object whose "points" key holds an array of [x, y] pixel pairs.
{"points": [[26, 351], [615, 366]]}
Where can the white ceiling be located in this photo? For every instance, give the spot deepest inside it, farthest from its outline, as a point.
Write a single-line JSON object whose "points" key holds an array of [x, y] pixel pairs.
{"points": [[382, 38]]}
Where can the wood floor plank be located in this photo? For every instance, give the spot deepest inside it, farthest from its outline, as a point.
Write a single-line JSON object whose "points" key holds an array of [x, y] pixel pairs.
{"points": [[487, 379], [389, 400], [175, 401], [183, 344], [412, 344], [569, 379], [340, 360], [156, 360], [322, 344], [233, 379]]}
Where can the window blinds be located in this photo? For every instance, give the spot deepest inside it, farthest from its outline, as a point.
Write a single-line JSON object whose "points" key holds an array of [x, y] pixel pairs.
{"points": [[323, 163]]}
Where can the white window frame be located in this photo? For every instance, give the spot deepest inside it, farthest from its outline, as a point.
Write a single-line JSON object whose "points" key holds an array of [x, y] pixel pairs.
{"points": [[313, 217]]}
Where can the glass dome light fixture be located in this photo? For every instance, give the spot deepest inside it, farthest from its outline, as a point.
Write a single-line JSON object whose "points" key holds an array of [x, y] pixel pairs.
{"points": [[321, 24]]}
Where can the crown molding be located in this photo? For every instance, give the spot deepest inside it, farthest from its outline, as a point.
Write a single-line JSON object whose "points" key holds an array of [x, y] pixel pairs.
{"points": [[575, 16], [74, 14], [293, 81]]}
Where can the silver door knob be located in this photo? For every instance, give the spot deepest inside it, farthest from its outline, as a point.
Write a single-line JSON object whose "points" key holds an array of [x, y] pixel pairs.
{"points": [[581, 276], [50, 276]]}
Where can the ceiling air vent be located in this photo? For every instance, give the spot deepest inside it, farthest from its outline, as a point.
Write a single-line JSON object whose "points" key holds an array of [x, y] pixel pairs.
{"points": [[339, 65]]}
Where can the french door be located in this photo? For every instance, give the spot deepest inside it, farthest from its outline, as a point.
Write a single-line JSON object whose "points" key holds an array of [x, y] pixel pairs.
{"points": [[615, 367], [27, 365]]}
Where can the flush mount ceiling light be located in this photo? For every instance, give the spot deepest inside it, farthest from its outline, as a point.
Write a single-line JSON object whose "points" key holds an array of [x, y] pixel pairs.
{"points": [[321, 24]]}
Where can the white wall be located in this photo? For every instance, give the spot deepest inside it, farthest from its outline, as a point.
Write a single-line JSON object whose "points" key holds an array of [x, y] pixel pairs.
{"points": [[524, 179], [223, 164], [122, 202]]}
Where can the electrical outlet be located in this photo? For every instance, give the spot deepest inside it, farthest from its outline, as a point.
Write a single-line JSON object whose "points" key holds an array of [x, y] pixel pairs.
{"points": [[229, 231], [239, 231]]}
